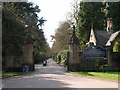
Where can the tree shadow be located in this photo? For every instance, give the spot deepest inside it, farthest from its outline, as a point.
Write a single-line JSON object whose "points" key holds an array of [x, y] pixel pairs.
{"points": [[36, 82]]}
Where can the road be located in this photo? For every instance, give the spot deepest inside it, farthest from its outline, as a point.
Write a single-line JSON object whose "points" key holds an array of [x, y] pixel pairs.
{"points": [[54, 76]]}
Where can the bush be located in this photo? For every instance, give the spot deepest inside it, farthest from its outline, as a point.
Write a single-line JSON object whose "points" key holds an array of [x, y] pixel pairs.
{"points": [[116, 46], [54, 57], [62, 57], [39, 57]]}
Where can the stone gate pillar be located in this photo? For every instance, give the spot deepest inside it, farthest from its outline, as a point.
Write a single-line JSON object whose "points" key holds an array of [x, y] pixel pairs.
{"points": [[109, 56], [74, 61], [28, 52]]}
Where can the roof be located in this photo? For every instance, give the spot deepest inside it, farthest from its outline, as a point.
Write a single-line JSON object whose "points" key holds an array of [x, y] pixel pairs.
{"points": [[113, 37], [74, 39], [102, 37]]}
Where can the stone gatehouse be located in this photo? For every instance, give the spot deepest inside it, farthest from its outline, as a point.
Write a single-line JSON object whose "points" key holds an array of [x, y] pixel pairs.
{"points": [[105, 39]]}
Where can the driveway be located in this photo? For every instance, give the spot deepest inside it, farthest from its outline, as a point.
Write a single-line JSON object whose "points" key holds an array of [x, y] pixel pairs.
{"points": [[54, 76]]}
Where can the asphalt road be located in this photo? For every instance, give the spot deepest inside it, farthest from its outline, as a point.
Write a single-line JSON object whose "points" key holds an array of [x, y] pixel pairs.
{"points": [[54, 76]]}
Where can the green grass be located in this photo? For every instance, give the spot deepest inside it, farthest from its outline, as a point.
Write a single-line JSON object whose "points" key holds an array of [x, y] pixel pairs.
{"points": [[10, 74], [107, 75]]}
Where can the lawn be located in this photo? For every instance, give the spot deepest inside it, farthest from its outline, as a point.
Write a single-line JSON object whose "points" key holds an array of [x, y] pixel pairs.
{"points": [[107, 75], [10, 74]]}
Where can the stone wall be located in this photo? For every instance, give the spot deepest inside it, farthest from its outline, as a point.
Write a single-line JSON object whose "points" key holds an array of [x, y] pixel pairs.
{"points": [[115, 59], [74, 61], [82, 64], [28, 56], [13, 63], [74, 54]]}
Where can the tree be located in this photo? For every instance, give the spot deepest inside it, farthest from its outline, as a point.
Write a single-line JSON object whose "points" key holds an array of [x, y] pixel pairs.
{"points": [[73, 17], [61, 38], [113, 12], [18, 20], [94, 15], [89, 15]]}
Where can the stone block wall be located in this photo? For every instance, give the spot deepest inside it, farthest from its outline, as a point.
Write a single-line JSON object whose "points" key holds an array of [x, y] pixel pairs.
{"points": [[115, 59], [13, 63]]}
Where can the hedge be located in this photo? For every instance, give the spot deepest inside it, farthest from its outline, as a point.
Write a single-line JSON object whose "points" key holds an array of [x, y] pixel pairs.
{"points": [[61, 57]]}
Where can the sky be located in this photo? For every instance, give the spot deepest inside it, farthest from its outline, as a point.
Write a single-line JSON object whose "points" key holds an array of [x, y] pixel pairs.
{"points": [[54, 11]]}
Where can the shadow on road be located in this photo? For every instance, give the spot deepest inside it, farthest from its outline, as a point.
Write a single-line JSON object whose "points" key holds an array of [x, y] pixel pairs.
{"points": [[43, 77], [54, 76]]}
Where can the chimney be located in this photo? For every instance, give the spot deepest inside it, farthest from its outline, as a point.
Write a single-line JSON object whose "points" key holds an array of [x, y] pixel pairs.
{"points": [[110, 26]]}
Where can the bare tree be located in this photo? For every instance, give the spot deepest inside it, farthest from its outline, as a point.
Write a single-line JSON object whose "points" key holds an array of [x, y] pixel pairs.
{"points": [[72, 17]]}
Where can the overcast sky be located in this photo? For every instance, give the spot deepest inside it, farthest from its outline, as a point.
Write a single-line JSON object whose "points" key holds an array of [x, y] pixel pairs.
{"points": [[54, 11]]}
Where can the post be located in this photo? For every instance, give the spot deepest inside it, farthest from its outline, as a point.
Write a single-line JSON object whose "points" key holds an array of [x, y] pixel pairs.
{"points": [[74, 60], [28, 53], [109, 56]]}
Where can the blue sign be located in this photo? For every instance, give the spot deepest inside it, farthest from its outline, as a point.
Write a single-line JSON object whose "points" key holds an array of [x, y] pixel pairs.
{"points": [[26, 68]]}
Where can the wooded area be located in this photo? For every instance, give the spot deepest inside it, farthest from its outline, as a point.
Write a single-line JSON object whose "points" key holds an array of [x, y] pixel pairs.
{"points": [[18, 20]]}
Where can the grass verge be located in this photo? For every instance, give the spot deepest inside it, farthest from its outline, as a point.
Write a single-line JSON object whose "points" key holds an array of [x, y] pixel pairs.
{"points": [[8, 74], [114, 76]]}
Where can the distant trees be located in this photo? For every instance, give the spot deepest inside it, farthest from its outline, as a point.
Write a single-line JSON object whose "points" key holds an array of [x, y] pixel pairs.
{"points": [[61, 37], [18, 19]]}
